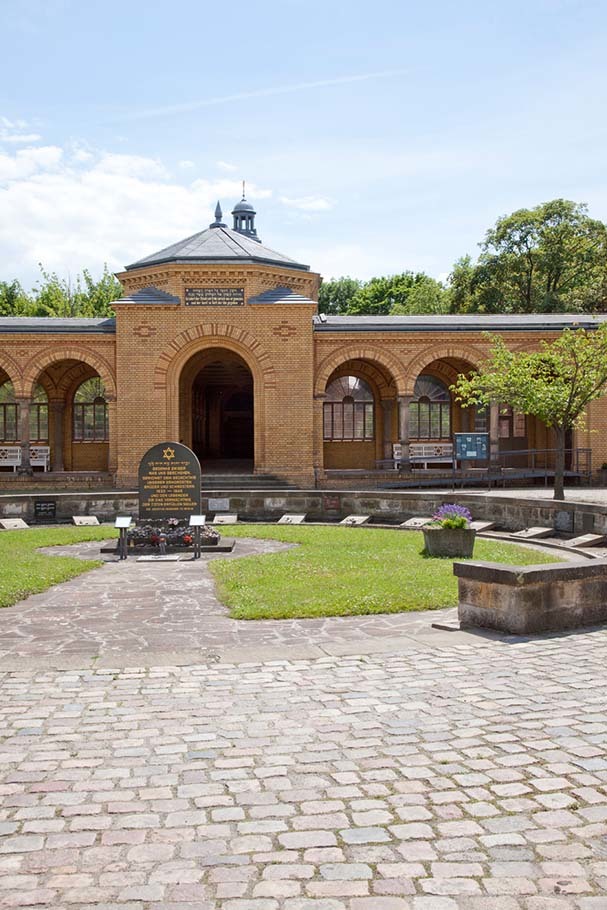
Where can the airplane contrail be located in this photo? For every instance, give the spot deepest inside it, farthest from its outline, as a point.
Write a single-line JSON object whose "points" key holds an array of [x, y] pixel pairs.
{"points": [[258, 93]]}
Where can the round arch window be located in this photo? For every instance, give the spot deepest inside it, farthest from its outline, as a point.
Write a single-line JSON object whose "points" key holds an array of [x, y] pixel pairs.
{"points": [[349, 411], [430, 410], [90, 413]]}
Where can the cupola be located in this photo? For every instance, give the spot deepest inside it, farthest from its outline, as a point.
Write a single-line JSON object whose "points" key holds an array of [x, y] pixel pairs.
{"points": [[244, 218]]}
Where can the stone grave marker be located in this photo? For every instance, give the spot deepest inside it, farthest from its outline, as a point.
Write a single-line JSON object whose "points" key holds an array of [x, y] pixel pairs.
{"points": [[169, 483], [415, 523], [534, 533], [13, 524], [586, 540], [355, 520], [219, 505], [228, 519], [291, 519], [84, 520], [482, 525]]}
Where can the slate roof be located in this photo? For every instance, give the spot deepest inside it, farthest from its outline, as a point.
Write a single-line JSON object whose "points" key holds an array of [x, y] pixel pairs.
{"points": [[49, 325], [218, 244], [280, 295], [150, 295], [455, 323]]}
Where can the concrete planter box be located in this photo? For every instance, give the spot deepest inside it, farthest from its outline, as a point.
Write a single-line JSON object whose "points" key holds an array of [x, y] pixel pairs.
{"points": [[449, 542], [524, 599]]}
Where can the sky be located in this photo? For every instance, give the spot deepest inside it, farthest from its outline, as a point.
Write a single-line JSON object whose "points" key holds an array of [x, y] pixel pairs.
{"points": [[373, 137]]}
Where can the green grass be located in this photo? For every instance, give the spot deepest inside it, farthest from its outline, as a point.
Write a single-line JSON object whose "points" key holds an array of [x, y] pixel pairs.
{"points": [[23, 571], [346, 572]]}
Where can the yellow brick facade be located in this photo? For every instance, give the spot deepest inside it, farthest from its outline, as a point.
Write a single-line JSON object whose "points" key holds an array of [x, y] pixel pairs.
{"points": [[149, 364]]}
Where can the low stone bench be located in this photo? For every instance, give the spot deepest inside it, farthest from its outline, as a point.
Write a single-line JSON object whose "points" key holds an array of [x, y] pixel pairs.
{"points": [[524, 599]]}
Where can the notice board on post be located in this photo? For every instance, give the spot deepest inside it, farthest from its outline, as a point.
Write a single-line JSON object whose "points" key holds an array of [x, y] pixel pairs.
{"points": [[471, 446]]}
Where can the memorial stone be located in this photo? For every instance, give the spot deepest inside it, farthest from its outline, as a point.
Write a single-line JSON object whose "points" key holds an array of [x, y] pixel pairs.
{"points": [[169, 483]]}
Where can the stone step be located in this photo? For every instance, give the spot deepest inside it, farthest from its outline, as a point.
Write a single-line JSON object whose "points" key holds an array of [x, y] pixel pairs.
{"points": [[244, 482]]}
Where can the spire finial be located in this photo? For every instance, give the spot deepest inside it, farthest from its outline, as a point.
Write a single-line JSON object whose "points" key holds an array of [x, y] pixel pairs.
{"points": [[218, 216], [243, 189]]}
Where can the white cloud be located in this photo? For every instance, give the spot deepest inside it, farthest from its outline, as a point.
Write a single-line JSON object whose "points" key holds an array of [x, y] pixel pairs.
{"points": [[186, 165], [226, 166], [27, 162], [12, 131], [71, 210], [308, 203]]}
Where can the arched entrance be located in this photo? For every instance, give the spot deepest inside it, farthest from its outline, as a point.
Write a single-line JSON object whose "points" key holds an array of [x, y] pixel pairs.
{"points": [[218, 409]]}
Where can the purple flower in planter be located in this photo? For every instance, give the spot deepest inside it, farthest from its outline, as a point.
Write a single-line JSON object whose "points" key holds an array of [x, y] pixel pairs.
{"points": [[452, 516]]}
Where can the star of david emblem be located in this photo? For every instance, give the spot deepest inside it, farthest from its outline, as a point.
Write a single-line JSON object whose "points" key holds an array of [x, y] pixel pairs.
{"points": [[168, 454]]}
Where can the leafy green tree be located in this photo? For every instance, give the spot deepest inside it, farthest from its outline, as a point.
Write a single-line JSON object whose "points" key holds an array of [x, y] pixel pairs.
{"points": [[555, 383], [84, 296], [551, 258], [336, 296], [425, 296], [13, 299], [380, 296]]}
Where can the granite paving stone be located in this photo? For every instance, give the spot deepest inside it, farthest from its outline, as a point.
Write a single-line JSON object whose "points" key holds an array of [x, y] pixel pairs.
{"points": [[459, 773]]}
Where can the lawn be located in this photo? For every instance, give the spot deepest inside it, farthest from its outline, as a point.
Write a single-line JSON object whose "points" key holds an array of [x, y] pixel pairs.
{"points": [[23, 571], [338, 571]]}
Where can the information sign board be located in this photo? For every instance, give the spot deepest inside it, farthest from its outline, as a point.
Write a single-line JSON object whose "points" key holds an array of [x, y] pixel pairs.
{"points": [[471, 446], [169, 483]]}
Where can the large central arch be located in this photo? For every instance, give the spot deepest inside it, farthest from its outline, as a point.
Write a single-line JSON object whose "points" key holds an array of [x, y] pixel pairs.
{"points": [[217, 412]]}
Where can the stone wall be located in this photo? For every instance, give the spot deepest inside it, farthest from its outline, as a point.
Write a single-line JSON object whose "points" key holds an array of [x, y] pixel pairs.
{"points": [[384, 507], [521, 600]]}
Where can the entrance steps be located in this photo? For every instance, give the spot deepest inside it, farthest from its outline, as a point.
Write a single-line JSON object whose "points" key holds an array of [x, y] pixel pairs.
{"points": [[244, 482]]}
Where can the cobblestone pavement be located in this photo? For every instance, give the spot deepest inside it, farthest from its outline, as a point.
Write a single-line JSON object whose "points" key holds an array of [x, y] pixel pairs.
{"points": [[128, 609], [471, 776]]}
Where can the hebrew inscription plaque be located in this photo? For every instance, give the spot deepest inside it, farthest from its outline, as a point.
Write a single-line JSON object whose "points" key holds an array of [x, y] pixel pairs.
{"points": [[214, 296]]}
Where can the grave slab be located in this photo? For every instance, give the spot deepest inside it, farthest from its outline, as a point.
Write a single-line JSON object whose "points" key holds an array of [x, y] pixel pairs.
{"points": [[586, 540], [84, 520], [415, 523], [228, 519], [355, 520], [534, 533], [482, 525], [291, 519], [13, 524]]}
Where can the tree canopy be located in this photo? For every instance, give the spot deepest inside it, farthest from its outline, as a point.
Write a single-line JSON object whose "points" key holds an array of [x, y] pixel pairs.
{"points": [[547, 259], [555, 383], [55, 296]]}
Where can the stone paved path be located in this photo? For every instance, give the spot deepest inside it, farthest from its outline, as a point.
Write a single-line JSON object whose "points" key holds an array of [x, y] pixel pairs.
{"points": [[469, 776], [128, 612]]}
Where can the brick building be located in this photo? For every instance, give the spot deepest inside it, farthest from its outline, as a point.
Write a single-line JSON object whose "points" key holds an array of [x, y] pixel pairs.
{"points": [[217, 343]]}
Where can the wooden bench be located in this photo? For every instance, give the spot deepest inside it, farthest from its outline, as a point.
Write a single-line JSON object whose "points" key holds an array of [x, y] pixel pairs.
{"points": [[420, 453], [10, 457]]}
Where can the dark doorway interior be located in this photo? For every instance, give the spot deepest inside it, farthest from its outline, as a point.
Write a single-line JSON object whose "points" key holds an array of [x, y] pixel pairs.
{"points": [[222, 411]]}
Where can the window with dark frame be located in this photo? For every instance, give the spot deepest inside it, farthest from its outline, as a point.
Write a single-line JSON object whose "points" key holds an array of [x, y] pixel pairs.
{"points": [[430, 411], [349, 411], [90, 412], [9, 415]]}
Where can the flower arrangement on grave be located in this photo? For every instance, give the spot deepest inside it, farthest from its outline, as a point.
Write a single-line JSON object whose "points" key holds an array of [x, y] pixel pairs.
{"points": [[449, 533], [176, 533]]}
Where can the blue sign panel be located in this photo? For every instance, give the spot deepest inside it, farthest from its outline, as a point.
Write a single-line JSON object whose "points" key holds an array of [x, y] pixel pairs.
{"points": [[471, 446]]}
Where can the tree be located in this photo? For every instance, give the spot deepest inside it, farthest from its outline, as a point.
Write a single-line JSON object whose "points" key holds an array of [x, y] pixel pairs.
{"points": [[381, 296], [336, 296], [425, 296], [555, 383], [551, 258], [13, 299], [86, 297]]}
